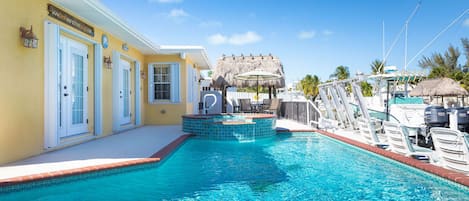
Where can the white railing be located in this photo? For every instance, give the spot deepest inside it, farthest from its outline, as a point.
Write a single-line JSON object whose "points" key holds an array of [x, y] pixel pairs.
{"points": [[308, 118]]}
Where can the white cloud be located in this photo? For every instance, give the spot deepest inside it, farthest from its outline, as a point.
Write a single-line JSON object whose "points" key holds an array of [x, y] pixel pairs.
{"points": [[466, 23], [327, 32], [306, 35], [235, 39], [246, 38], [211, 24], [164, 1], [217, 39], [176, 13]]}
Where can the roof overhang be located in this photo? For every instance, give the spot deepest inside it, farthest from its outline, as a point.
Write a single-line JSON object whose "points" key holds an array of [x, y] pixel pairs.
{"points": [[98, 15], [197, 54]]}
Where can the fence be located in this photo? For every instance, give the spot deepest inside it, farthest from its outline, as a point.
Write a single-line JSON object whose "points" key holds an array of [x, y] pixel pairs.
{"points": [[300, 111]]}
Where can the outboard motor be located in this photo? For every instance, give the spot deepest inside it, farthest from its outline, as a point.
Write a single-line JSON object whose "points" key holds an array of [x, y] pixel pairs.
{"points": [[435, 116]]}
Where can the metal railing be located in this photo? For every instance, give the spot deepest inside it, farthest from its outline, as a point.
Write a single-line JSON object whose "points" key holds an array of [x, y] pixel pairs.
{"points": [[305, 112]]}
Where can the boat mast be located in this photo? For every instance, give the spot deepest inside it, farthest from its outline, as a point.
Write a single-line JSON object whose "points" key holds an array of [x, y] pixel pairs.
{"points": [[405, 45]]}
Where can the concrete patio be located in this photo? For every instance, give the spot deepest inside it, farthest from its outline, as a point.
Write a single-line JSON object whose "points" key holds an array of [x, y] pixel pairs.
{"points": [[139, 143]]}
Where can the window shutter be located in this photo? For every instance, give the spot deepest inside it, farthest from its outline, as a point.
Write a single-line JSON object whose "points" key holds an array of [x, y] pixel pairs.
{"points": [[151, 84], [190, 82], [175, 83]]}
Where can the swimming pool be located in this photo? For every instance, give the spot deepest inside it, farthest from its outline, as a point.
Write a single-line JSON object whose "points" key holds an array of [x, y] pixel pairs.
{"points": [[298, 166]]}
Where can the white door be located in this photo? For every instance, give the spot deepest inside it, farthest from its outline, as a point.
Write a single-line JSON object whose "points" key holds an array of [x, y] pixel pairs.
{"points": [[72, 88], [124, 92]]}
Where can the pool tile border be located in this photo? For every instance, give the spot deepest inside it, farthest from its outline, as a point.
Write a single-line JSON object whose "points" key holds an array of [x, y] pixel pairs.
{"points": [[451, 175], [156, 157]]}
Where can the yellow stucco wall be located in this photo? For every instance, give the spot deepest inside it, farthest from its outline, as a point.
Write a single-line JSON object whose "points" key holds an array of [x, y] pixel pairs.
{"points": [[22, 80], [161, 113]]}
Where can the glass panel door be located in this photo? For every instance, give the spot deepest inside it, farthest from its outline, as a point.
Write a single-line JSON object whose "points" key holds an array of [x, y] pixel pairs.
{"points": [[125, 92], [73, 92]]}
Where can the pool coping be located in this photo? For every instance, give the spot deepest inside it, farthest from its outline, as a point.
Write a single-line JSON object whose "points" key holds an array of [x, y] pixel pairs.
{"points": [[156, 157], [451, 175]]}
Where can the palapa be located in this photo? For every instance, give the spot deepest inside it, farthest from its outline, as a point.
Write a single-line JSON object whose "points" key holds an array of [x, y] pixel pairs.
{"points": [[439, 87], [230, 66]]}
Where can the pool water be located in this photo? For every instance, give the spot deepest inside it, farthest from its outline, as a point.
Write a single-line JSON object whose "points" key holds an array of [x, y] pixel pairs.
{"points": [[298, 166]]}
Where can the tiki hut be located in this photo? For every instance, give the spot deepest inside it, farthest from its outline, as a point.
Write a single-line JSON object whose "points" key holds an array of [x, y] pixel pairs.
{"points": [[230, 66], [439, 87]]}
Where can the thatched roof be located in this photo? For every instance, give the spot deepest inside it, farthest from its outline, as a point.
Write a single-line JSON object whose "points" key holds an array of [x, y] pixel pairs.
{"points": [[438, 87], [230, 66]]}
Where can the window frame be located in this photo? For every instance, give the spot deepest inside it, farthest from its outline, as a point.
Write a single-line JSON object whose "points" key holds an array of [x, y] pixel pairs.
{"points": [[175, 87]]}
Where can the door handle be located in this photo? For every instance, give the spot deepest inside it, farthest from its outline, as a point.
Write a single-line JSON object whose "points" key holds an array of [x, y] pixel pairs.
{"points": [[65, 94]]}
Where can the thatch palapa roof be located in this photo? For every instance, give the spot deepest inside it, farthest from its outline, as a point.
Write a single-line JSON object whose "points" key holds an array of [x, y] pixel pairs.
{"points": [[230, 66], [438, 87]]}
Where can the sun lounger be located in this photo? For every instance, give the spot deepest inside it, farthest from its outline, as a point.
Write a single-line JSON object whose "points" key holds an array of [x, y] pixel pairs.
{"points": [[452, 147], [370, 135], [398, 139]]}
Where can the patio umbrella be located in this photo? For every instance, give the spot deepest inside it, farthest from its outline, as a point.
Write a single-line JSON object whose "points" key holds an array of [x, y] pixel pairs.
{"points": [[257, 75]]}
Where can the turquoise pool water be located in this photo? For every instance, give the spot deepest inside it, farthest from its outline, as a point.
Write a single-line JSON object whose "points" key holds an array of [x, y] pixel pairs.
{"points": [[300, 166]]}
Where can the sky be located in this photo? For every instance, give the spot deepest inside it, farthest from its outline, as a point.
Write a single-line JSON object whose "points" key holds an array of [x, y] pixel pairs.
{"points": [[310, 36]]}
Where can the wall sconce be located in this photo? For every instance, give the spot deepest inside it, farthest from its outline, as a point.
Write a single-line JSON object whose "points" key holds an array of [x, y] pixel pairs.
{"points": [[28, 37], [108, 62], [143, 75], [200, 79]]}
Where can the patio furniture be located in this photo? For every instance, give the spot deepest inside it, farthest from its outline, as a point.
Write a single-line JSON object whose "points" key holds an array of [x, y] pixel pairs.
{"points": [[273, 106], [369, 133], [266, 104], [245, 105], [399, 142], [452, 147]]}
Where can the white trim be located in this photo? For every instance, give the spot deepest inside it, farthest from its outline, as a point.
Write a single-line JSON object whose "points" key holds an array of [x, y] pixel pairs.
{"points": [[98, 89], [51, 45], [115, 90], [138, 93]]}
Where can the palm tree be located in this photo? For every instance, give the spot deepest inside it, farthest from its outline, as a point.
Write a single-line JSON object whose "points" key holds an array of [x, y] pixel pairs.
{"points": [[449, 60], [341, 73], [377, 67], [309, 85], [367, 89]]}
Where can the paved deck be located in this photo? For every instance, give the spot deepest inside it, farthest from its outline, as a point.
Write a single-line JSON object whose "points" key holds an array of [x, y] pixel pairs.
{"points": [[133, 145]]}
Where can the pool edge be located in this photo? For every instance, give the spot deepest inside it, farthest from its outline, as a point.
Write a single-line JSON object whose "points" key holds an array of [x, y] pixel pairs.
{"points": [[156, 157], [454, 176]]}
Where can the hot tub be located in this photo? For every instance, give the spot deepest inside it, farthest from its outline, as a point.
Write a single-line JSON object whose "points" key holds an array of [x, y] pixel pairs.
{"points": [[241, 127]]}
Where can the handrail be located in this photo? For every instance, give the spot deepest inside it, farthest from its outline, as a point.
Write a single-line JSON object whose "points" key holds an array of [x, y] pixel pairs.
{"points": [[308, 102], [205, 108]]}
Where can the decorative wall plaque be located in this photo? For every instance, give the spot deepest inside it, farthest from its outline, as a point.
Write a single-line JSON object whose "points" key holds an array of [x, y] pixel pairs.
{"points": [[66, 18]]}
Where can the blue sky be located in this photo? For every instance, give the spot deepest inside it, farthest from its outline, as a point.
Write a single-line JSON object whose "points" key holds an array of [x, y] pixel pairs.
{"points": [[309, 37]]}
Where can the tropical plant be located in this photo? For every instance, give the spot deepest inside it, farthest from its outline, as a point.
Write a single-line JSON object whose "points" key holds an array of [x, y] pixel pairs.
{"points": [[309, 84], [341, 73], [377, 67], [449, 60], [367, 89]]}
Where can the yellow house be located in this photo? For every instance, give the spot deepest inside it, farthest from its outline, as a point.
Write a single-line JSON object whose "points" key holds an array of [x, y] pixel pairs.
{"points": [[72, 71]]}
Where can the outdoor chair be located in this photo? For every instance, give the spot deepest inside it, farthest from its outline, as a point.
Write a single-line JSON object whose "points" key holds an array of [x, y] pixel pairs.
{"points": [[399, 142], [245, 105], [369, 133], [273, 106], [266, 104], [452, 147]]}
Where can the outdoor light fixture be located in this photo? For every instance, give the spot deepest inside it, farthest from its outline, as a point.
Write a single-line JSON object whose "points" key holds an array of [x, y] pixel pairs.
{"points": [[108, 62], [125, 47], [143, 75], [28, 38]]}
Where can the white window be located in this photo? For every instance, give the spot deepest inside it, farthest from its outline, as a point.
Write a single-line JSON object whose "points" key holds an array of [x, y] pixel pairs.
{"points": [[163, 82]]}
